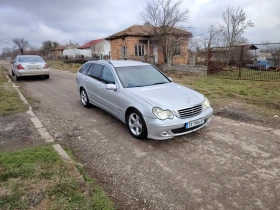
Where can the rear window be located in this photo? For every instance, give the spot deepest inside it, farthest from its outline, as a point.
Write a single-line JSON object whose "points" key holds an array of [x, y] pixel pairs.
{"points": [[29, 59]]}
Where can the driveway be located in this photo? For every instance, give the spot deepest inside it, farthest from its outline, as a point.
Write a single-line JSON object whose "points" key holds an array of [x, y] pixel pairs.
{"points": [[229, 165]]}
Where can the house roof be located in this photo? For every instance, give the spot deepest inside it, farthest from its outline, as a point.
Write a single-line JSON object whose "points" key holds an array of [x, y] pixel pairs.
{"points": [[90, 44], [250, 47], [59, 47], [143, 31]]}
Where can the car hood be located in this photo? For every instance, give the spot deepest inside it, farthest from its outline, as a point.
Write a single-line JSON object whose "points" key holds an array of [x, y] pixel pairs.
{"points": [[170, 96]]}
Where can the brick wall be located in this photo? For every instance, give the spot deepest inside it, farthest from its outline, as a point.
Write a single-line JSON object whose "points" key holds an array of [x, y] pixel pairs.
{"points": [[131, 41], [183, 57]]}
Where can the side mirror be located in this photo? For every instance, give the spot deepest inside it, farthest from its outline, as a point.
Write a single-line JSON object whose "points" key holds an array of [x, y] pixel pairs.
{"points": [[111, 87], [12, 62], [170, 79]]}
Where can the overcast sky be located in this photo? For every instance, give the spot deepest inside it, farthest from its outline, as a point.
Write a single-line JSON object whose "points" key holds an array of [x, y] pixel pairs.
{"points": [[83, 20]]}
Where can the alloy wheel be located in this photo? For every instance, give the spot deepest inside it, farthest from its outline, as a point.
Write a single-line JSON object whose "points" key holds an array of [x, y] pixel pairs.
{"points": [[135, 124]]}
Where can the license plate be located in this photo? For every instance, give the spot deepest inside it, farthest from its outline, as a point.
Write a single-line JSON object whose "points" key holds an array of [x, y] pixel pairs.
{"points": [[34, 67], [194, 123]]}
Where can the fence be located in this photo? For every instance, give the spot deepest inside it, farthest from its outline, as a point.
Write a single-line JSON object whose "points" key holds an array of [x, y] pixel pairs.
{"points": [[245, 62]]}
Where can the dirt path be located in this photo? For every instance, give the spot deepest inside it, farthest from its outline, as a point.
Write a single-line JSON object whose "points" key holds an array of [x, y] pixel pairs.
{"points": [[229, 165]]}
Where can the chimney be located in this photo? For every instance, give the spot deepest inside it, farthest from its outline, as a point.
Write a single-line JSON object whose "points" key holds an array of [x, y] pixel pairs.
{"points": [[70, 41]]}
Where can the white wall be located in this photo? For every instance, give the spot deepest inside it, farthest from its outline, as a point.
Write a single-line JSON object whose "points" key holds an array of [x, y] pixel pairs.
{"points": [[103, 47], [71, 53]]}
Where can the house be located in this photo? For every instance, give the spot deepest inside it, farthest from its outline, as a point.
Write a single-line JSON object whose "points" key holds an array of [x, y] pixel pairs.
{"points": [[57, 52], [136, 42], [99, 48], [72, 51]]}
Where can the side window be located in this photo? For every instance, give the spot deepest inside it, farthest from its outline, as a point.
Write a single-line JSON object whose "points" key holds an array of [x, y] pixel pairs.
{"points": [[85, 68], [81, 69], [96, 71], [107, 76], [90, 70]]}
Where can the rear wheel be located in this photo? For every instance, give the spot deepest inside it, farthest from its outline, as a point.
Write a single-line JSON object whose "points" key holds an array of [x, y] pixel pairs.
{"points": [[136, 124], [17, 78], [84, 98], [13, 73]]}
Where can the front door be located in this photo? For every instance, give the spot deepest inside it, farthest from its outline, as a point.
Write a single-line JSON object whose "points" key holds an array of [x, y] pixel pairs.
{"points": [[109, 99]]}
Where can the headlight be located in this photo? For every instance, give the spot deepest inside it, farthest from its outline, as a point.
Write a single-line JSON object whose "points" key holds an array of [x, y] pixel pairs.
{"points": [[205, 104], [162, 114]]}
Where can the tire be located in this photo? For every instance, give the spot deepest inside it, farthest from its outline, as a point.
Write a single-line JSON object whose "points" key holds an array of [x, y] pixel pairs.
{"points": [[84, 98], [136, 124], [17, 78], [13, 73], [47, 76]]}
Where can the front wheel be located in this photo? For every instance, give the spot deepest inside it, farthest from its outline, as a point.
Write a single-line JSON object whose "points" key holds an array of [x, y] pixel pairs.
{"points": [[136, 124], [84, 98]]}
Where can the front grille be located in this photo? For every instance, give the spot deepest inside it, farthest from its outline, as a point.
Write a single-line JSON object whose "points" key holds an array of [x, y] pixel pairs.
{"points": [[190, 112]]}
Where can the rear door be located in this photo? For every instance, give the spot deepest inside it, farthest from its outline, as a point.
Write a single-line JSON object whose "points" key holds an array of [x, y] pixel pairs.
{"points": [[93, 83], [82, 75]]}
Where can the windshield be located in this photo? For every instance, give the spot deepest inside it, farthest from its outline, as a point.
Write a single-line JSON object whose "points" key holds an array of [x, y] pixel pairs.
{"points": [[139, 76], [30, 59]]}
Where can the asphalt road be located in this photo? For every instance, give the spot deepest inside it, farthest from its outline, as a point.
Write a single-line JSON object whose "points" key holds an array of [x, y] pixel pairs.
{"points": [[229, 165]]}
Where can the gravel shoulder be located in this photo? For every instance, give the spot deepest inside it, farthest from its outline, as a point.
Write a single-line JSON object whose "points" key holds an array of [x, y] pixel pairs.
{"points": [[16, 129], [229, 165]]}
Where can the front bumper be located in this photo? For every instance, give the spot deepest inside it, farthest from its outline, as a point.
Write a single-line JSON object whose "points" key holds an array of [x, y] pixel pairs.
{"points": [[166, 129]]}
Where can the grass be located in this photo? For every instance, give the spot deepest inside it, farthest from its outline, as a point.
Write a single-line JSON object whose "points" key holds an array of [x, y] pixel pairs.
{"points": [[37, 178], [72, 67], [256, 96], [10, 102]]}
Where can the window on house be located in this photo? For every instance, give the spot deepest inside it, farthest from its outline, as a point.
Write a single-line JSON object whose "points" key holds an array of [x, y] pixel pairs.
{"points": [[177, 49], [124, 51], [140, 50]]}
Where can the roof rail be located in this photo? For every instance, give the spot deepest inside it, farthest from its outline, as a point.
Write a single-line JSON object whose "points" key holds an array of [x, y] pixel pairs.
{"points": [[111, 63], [131, 59]]}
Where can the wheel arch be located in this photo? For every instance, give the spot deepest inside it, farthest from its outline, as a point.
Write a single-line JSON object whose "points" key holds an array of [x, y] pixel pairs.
{"points": [[127, 111], [82, 88]]}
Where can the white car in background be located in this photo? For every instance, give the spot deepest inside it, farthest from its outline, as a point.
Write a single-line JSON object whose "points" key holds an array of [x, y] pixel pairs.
{"points": [[29, 65]]}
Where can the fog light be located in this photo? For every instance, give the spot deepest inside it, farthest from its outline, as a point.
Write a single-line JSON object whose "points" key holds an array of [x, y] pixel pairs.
{"points": [[164, 133]]}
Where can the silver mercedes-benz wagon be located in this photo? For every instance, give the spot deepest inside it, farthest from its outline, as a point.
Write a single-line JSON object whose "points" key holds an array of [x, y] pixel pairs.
{"points": [[143, 97]]}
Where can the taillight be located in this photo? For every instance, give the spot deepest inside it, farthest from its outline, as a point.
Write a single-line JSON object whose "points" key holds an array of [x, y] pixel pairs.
{"points": [[46, 66], [19, 66]]}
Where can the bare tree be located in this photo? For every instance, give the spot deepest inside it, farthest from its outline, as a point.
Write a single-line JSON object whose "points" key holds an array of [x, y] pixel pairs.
{"points": [[48, 46], [95, 51], [6, 52], [212, 37], [4, 40], [34, 50], [268, 48], [234, 23], [166, 18], [21, 44]]}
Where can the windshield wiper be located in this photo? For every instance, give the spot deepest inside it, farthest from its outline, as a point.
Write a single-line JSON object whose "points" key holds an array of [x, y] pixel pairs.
{"points": [[158, 83]]}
